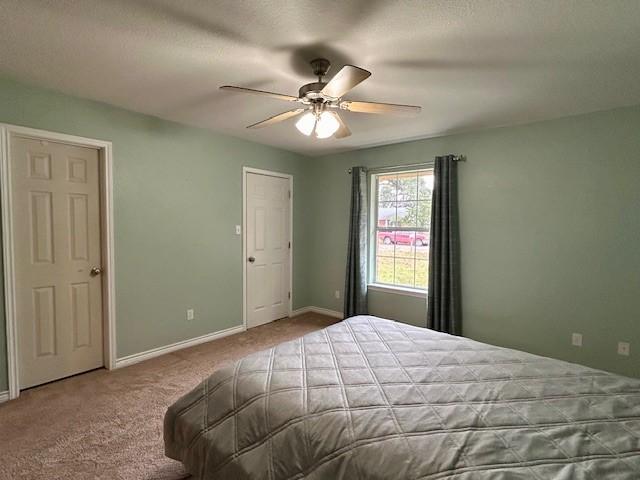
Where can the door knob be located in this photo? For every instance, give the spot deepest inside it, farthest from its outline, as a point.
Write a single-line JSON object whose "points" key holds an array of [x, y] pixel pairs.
{"points": [[252, 259], [95, 271]]}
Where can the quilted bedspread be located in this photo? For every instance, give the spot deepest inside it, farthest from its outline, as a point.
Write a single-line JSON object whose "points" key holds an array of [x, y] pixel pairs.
{"points": [[370, 398]]}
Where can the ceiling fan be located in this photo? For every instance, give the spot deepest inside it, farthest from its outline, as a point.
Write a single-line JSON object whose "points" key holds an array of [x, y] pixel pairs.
{"points": [[320, 102]]}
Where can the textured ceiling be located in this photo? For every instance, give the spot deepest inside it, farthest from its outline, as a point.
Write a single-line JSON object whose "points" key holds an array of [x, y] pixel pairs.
{"points": [[470, 64]]}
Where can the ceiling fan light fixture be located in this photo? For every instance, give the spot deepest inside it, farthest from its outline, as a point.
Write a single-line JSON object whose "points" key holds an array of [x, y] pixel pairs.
{"points": [[307, 123], [327, 125]]}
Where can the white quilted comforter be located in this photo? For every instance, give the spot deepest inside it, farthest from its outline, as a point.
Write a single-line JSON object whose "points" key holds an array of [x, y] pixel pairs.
{"points": [[369, 398]]}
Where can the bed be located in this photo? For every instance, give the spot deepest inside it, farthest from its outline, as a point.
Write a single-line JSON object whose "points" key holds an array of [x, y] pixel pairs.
{"points": [[369, 398]]}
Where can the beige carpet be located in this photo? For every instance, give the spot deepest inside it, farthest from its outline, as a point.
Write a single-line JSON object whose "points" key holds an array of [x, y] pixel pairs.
{"points": [[108, 425]]}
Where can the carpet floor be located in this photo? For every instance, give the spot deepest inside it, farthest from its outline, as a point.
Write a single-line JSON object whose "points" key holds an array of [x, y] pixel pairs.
{"points": [[108, 424]]}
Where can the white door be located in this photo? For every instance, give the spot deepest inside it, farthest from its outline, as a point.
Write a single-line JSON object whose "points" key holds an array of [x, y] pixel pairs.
{"points": [[56, 211], [267, 200]]}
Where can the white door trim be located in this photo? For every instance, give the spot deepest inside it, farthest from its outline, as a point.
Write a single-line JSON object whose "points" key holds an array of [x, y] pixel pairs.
{"points": [[245, 171], [106, 211]]}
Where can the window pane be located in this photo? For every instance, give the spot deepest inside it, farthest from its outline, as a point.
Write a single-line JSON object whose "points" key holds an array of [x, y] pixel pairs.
{"points": [[384, 270], [403, 202], [422, 252], [422, 271], [407, 186], [423, 214], [404, 244], [386, 214], [387, 190], [386, 241], [425, 185], [407, 214], [404, 272]]}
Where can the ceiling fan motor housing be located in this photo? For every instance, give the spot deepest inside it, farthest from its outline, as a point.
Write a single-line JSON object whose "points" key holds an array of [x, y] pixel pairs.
{"points": [[312, 91]]}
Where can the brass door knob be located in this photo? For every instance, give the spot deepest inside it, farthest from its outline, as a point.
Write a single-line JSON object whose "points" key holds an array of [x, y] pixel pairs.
{"points": [[252, 259], [95, 271]]}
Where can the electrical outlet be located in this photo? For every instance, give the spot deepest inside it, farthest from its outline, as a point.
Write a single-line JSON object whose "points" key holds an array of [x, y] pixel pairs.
{"points": [[190, 314], [337, 294], [576, 339], [624, 348]]}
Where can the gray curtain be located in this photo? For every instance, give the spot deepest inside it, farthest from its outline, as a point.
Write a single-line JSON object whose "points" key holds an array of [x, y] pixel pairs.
{"points": [[444, 304], [355, 289]]}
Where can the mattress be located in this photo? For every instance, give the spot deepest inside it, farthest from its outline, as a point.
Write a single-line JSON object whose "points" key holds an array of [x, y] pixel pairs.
{"points": [[370, 398]]}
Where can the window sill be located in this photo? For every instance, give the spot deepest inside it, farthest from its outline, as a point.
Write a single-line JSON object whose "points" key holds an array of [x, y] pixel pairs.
{"points": [[410, 292]]}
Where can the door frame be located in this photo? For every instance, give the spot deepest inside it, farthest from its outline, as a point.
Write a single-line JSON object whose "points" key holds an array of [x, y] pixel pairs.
{"points": [[7, 131], [269, 173]]}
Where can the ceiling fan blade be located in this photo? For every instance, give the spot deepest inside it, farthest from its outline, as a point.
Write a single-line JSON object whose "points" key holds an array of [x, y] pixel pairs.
{"points": [[343, 81], [382, 108], [278, 96], [343, 130], [278, 118]]}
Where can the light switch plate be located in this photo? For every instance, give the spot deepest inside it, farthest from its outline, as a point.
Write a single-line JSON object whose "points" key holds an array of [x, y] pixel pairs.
{"points": [[190, 314], [624, 348], [576, 339], [238, 230], [337, 294]]}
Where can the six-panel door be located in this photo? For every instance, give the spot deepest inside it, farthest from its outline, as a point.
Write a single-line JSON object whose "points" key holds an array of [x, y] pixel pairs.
{"points": [[56, 205], [268, 253]]}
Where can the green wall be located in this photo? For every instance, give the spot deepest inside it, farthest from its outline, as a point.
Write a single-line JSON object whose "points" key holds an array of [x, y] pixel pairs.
{"points": [[549, 219], [550, 226], [404, 308], [177, 199]]}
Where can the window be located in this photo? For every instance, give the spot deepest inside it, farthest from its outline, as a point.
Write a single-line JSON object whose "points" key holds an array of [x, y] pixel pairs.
{"points": [[402, 215]]}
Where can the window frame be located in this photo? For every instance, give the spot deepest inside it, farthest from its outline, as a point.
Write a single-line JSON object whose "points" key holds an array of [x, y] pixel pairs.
{"points": [[373, 235]]}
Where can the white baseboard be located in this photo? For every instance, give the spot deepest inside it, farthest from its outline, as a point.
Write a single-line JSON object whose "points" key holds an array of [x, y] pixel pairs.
{"points": [[155, 352], [4, 396], [321, 311]]}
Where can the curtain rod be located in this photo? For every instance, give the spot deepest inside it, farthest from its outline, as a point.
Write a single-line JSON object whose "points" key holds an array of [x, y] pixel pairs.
{"points": [[456, 158]]}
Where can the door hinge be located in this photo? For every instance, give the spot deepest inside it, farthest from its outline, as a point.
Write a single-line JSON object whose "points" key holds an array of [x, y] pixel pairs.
{"points": [[289, 295], [289, 245], [289, 193]]}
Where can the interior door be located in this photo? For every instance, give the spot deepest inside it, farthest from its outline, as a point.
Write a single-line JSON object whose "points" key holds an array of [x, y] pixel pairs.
{"points": [[57, 257], [268, 249]]}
